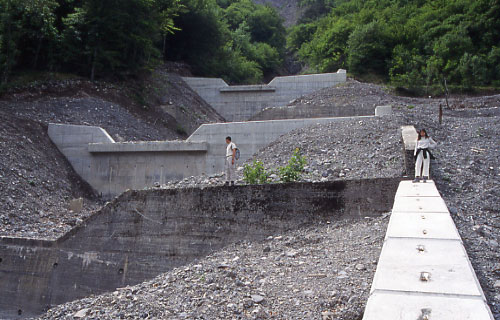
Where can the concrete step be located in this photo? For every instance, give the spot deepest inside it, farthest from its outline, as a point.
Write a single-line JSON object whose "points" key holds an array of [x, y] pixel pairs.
{"points": [[394, 306]]}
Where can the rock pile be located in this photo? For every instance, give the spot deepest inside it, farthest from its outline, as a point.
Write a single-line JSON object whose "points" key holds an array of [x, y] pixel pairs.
{"points": [[466, 171]]}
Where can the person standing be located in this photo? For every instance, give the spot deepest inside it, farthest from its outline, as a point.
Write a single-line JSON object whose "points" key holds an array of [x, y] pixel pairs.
{"points": [[423, 155], [230, 161]]}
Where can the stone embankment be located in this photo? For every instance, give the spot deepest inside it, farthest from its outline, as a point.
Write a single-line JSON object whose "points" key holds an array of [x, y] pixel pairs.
{"points": [[37, 183]]}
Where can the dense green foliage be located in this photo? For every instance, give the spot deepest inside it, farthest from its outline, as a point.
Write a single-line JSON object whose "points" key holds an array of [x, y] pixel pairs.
{"points": [[255, 173], [235, 39], [411, 43], [293, 170]]}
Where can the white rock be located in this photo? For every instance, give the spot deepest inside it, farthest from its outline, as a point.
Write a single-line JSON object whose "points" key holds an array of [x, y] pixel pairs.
{"points": [[81, 314], [257, 298]]}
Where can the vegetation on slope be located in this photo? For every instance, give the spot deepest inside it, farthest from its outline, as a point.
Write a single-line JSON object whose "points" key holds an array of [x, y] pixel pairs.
{"points": [[410, 43], [238, 40]]}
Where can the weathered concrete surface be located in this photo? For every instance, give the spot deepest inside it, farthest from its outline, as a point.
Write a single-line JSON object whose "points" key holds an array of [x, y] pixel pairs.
{"points": [[312, 111], [383, 111], [441, 308], [240, 103], [144, 233], [111, 168], [423, 270], [410, 135]]}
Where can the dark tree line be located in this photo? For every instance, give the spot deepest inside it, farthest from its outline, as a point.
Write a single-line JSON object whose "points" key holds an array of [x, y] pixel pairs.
{"points": [[112, 38], [410, 43]]}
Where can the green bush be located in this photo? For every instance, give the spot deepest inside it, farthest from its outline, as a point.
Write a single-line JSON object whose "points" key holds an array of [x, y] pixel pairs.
{"points": [[255, 173], [294, 169]]}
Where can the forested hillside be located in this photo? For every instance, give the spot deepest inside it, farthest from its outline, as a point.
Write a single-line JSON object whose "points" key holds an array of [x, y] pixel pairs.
{"points": [[410, 43], [238, 40]]}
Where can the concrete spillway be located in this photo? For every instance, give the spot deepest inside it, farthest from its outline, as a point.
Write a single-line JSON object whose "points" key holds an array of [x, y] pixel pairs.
{"points": [[144, 233]]}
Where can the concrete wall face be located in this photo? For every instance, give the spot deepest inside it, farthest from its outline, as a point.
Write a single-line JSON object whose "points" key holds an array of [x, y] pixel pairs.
{"points": [[111, 168], [240, 103], [144, 233]]}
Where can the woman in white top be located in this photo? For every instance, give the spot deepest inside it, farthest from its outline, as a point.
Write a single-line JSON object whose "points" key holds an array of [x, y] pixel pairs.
{"points": [[423, 155]]}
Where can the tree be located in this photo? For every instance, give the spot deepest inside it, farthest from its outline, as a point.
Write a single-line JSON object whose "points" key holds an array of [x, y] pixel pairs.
{"points": [[24, 27], [120, 35], [369, 49], [406, 68]]}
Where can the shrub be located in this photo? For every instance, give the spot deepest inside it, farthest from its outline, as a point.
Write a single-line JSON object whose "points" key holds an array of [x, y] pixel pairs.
{"points": [[255, 173], [293, 170]]}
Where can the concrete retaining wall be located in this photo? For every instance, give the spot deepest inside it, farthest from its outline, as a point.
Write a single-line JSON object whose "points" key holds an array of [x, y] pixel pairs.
{"points": [[423, 270], [240, 103], [313, 111], [144, 233], [111, 168]]}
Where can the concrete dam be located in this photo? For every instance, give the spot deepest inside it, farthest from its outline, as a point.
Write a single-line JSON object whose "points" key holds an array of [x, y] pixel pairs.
{"points": [[144, 233]]}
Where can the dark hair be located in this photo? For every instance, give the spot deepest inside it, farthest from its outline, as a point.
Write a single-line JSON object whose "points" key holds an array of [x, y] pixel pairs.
{"points": [[420, 134], [228, 138]]}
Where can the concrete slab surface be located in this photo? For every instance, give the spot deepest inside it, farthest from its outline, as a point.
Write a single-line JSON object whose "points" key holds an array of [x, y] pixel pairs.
{"points": [[422, 225], [409, 189], [383, 111], [402, 262], [419, 204], [393, 306], [409, 137]]}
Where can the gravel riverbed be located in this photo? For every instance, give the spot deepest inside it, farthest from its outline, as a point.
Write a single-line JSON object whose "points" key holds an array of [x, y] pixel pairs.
{"points": [[466, 169], [324, 272], [321, 272]]}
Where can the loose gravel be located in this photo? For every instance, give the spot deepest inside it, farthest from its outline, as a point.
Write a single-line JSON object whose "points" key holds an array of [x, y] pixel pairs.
{"points": [[311, 273], [466, 171], [324, 272]]}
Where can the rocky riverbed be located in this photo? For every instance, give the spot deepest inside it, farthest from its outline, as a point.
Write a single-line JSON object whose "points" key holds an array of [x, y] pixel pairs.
{"points": [[324, 272], [321, 272], [466, 169]]}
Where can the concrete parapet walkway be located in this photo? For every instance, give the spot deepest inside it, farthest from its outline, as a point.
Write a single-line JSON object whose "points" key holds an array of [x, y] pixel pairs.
{"points": [[423, 272]]}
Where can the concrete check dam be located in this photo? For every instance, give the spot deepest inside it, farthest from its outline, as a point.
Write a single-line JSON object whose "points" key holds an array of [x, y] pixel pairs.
{"points": [[144, 233]]}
